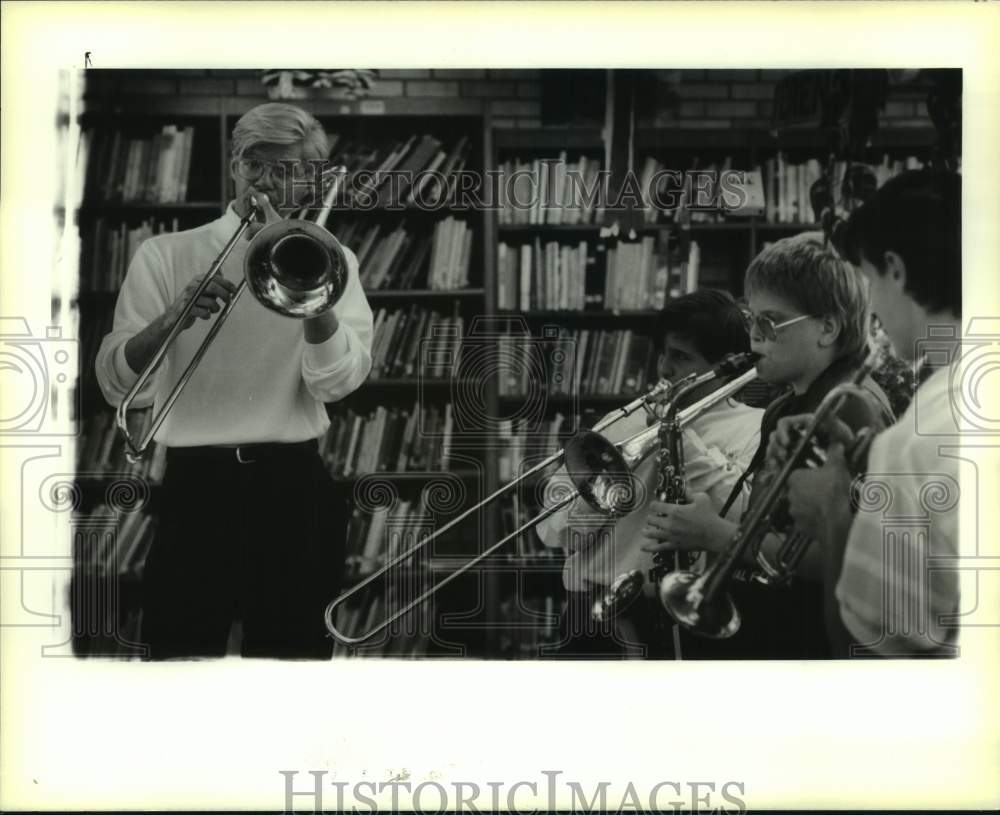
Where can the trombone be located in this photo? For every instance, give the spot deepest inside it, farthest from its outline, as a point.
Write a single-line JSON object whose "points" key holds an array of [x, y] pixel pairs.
{"points": [[294, 267], [698, 602], [601, 473], [608, 490]]}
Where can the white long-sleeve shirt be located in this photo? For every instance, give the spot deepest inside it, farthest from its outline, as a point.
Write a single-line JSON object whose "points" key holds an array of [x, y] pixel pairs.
{"points": [[259, 381], [718, 446]]}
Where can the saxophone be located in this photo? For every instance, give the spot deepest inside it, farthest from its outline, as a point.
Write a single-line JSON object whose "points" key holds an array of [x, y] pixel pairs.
{"points": [[670, 483]]}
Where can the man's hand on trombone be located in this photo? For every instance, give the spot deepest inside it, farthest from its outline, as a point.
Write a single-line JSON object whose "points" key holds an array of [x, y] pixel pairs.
{"points": [[215, 297], [140, 349], [267, 213]]}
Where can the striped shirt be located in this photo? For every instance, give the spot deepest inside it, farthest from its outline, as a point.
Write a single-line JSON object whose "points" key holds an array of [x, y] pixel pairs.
{"points": [[891, 598]]}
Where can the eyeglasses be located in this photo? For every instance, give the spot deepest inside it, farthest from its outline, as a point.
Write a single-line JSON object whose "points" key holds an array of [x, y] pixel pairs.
{"points": [[766, 327], [251, 169]]}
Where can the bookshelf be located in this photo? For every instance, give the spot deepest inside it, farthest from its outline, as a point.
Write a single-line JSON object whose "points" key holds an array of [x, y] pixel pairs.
{"points": [[508, 606]]}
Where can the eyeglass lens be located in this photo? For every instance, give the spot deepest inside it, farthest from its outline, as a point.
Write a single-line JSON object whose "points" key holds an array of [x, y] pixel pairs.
{"points": [[763, 326], [253, 168]]}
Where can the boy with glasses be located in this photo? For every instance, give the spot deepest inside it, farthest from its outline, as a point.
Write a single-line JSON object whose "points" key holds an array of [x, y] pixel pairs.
{"points": [[809, 321], [247, 530]]}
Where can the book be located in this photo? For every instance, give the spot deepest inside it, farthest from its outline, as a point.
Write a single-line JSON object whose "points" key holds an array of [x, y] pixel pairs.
{"points": [[420, 157]]}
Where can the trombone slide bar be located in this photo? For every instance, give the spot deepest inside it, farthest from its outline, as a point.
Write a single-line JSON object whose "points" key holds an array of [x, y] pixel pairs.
{"points": [[661, 387], [645, 441], [331, 609], [135, 451]]}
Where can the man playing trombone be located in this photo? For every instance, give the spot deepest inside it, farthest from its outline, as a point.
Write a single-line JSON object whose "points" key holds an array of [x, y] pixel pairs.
{"points": [[694, 333], [246, 529]]}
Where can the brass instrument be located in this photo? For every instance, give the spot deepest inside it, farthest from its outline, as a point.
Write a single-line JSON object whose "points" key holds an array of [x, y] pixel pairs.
{"points": [[294, 267], [700, 603], [602, 477], [668, 434]]}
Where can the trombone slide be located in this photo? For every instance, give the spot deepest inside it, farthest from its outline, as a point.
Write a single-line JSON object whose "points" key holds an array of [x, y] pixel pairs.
{"points": [[608, 489], [134, 450]]}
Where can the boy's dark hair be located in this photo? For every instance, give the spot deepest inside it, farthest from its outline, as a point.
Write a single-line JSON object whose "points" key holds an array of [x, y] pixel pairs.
{"points": [[917, 215], [708, 318]]}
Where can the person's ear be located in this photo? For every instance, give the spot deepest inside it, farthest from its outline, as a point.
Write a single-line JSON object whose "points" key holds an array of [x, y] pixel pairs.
{"points": [[895, 269], [829, 332]]}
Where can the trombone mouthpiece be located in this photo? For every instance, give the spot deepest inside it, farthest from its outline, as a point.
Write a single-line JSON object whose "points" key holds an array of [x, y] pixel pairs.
{"points": [[736, 364]]}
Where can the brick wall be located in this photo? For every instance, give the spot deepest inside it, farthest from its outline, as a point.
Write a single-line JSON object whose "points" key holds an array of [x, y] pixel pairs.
{"points": [[689, 98], [743, 98]]}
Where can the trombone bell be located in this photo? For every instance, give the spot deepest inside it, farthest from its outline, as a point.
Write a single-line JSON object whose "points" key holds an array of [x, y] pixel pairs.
{"points": [[600, 474], [681, 597], [296, 268]]}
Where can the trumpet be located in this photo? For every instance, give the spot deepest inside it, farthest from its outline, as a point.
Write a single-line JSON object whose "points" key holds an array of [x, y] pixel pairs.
{"points": [[668, 433], [600, 474], [294, 267], [700, 603]]}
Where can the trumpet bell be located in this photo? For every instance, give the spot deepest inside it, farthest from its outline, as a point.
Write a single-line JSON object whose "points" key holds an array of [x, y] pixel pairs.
{"points": [[682, 599], [296, 268], [600, 474]]}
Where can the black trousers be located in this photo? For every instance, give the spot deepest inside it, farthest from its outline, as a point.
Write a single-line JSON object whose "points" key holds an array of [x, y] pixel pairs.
{"points": [[778, 622], [640, 632], [259, 542]]}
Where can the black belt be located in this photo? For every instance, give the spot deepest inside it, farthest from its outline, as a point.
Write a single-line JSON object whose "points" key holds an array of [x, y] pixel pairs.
{"points": [[247, 453]]}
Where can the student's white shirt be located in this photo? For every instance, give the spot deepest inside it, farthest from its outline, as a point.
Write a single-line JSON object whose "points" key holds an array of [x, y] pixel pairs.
{"points": [[891, 598], [718, 446], [259, 381]]}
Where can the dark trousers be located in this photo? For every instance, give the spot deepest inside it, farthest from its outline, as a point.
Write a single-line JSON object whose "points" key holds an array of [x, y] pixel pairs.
{"points": [[261, 542], [640, 632], [777, 622]]}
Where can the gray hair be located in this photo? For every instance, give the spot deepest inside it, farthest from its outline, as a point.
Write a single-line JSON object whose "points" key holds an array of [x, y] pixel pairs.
{"points": [[279, 123]]}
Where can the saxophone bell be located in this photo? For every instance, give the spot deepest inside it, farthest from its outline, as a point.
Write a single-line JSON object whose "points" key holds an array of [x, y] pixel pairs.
{"points": [[619, 597]]}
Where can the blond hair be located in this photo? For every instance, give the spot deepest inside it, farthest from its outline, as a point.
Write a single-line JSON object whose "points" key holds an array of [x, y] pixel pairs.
{"points": [[811, 276], [279, 123]]}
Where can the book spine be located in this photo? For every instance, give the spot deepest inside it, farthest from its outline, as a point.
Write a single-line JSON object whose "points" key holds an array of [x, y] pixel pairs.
{"points": [[185, 166]]}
